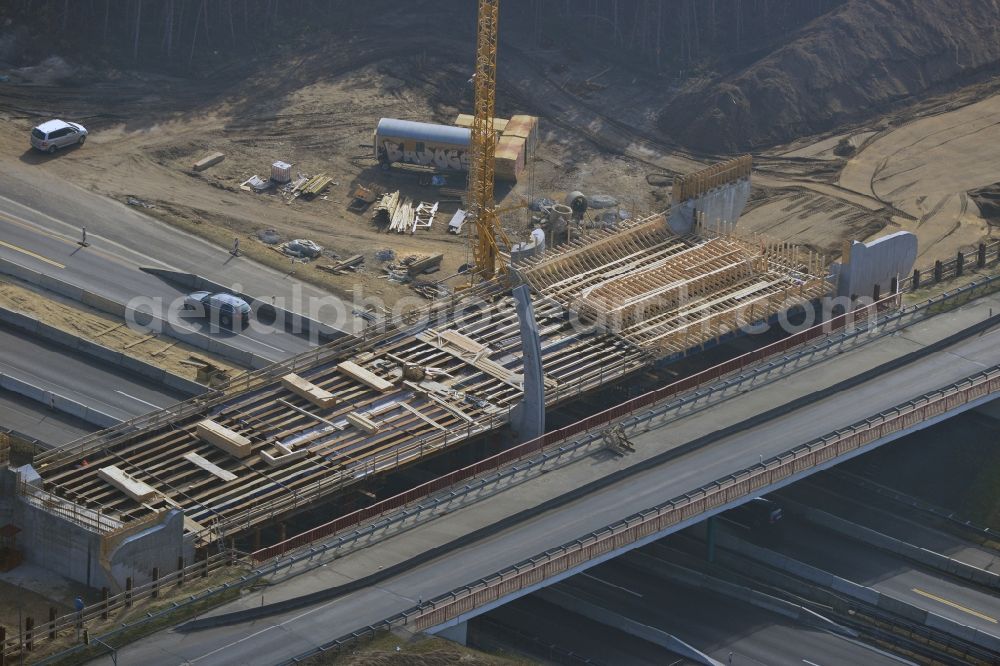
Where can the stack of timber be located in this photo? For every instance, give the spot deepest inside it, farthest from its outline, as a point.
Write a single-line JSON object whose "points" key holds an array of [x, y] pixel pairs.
{"points": [[344, 265], [208, 161], [385, 208], [315, 185], [397, 213], [402, 217], [410, 267]]}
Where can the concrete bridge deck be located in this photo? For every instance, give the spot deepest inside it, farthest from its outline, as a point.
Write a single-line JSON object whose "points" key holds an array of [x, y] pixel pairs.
{"points": [[586, 493]]}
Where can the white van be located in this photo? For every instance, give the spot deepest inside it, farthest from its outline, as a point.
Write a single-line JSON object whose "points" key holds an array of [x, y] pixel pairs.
{"points": [[55, 134]]}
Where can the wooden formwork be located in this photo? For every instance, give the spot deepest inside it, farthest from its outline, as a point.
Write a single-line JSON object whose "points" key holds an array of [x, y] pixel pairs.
{"points": [[298, 448], [669, 294], [693, 185], [663, 294]]}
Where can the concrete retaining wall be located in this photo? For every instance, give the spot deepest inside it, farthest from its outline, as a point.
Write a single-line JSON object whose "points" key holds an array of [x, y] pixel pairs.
{"points": [[194, 338], [875, 263], [674, 572], [861, 593], [58, 544], [721, 204], [100, 352], [626, 625], [293, 321], [62, 545], [58, 402], [158, 546], [915, 553]]}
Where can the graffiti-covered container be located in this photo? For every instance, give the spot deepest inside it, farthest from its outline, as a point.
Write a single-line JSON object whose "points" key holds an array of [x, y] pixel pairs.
{"points": [[407, 142]]}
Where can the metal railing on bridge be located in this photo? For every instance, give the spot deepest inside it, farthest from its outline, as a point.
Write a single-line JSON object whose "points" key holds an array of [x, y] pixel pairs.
{"points": [[596, 421], [650, 522], [746, 483]]}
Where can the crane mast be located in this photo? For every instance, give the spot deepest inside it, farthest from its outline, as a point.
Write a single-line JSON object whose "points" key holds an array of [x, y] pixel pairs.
{"points": [[482, 207]]}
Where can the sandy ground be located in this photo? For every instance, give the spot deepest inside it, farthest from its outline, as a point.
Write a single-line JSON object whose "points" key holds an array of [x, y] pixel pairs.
{"points": [[813, 220], [105, 330], [926, 166]]}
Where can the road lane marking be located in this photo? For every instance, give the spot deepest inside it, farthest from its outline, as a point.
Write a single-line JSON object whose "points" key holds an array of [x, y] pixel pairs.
{"points": [[982, 616], [609, 584], [263, 344], [24, 224], [33, 228], [138, 399], [34, 255]]}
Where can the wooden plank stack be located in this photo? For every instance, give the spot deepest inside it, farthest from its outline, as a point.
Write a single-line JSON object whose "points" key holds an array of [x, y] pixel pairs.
{"points": [[315, 185], [385, 208], [400, 214], [344, 265], [208, 161]]}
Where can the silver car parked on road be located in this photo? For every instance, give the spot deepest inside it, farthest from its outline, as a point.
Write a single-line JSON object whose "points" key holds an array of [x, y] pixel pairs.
{"points": [[55, 134]]}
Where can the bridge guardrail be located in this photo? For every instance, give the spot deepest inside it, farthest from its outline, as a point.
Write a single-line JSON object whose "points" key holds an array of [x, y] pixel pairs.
{"points": [[722, 491], [986, 255]]}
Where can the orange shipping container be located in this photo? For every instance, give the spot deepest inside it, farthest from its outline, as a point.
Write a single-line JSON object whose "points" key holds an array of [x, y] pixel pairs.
{"points": [[509, 157]]}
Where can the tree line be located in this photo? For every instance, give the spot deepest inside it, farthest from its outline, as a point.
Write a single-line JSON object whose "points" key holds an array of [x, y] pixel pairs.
{"points": [[661, 33]]}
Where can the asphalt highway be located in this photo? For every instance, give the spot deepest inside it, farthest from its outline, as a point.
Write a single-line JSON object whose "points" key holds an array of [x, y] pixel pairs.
{"points": [[591, 640], [891, 575], [284, 635], [40, 226], [113, 391], [715, 624], [36, 421], [870, 510]]}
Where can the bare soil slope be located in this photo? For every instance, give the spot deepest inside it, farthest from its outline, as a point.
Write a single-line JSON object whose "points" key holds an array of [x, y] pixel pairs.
{"points": [[842, 67]]}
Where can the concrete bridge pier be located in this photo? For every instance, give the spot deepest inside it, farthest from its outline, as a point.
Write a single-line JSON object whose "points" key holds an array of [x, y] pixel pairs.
{"points": [[458, 633]]}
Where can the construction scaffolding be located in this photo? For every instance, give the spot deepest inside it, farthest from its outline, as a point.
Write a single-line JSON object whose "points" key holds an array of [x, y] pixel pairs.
{"points": [[670, 294], [310, 435]]}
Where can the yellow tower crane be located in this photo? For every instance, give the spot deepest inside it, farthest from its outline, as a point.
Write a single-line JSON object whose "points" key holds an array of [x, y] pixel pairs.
{"points": [[482, 207]]}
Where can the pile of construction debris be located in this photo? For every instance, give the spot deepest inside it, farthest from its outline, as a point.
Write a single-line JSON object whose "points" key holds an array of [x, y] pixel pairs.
{"points": [[406, 269], [343, 266], [301, 248], [394, 212]]}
